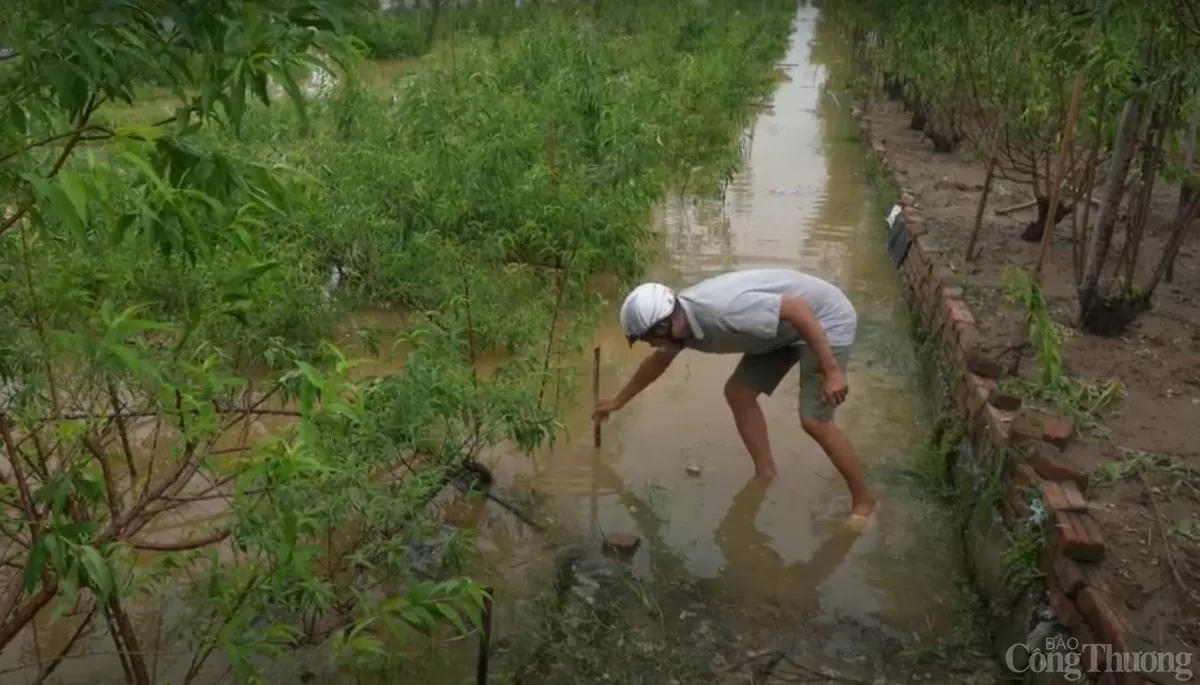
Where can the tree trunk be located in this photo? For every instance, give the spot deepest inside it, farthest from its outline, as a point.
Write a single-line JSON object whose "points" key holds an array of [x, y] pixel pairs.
{"points": [[1101, 237], [1179, 229], [1187, 189], [987, 190], [1156, 135], [1089, 184]]}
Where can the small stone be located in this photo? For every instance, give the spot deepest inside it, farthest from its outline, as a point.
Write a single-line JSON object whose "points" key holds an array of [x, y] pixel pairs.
{"points": [[621, 542], [693, 470]]}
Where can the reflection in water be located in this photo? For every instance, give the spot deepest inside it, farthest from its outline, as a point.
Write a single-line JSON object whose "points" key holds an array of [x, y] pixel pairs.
{"points": [[739, 538]]}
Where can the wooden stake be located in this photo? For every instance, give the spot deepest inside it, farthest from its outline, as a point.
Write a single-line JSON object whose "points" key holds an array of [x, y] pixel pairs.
{"points": [[485, 638], [596, 393], [1060, 172]]}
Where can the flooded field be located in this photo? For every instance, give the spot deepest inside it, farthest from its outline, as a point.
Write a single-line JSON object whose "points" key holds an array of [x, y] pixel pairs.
{"points": [[672, 469], [803, 201]]}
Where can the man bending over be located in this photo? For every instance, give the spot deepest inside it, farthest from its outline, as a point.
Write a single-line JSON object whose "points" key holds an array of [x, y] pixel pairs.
{"points": [[774, 318]]}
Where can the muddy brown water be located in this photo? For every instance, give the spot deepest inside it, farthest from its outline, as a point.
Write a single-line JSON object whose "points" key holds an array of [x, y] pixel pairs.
{"points": [[803, 200]]}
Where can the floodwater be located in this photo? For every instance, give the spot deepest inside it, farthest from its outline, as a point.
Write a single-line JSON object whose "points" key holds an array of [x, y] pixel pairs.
{"points": [[803, 200]]}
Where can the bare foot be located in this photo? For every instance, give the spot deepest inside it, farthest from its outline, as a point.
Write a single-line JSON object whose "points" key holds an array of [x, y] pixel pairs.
{"points": [[864, 508], [765, 476], [862, 515]]}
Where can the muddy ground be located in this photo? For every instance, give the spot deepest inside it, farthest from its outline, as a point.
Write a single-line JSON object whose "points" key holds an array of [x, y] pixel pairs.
{"points": [[1144, 459], [609, 627]]}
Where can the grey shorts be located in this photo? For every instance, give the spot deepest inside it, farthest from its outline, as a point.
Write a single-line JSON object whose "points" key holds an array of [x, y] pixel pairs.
{"points": [[763, 372]]}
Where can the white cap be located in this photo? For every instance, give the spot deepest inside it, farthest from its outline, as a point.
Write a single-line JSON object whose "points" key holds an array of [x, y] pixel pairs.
{"points": [[648, 305]]}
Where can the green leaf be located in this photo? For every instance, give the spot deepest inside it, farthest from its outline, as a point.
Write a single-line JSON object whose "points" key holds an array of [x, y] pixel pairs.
{"points": [[447, 612], [99, 574], [68, 590], [248, 275], [293, 90], [37, 560]]}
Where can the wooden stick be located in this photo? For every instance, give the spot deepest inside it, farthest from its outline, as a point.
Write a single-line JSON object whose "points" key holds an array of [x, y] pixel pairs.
{"points": [[485, 638], [596, 393], [1061, 171]]}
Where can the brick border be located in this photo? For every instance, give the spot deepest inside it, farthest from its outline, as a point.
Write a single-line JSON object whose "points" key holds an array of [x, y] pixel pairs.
{"points": [[1032, 447]]}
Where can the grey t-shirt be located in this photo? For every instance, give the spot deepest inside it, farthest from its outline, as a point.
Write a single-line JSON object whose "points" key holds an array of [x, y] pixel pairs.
{"points": [[738, 312]]}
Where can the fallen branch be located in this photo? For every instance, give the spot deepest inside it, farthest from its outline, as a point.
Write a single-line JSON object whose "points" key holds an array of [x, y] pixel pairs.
{"points": [[1015, 208], [1026, 205]]}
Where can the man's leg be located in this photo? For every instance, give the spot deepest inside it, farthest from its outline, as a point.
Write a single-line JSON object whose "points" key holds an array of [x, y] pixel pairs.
{"points": [[757, 374], [817, 419]]}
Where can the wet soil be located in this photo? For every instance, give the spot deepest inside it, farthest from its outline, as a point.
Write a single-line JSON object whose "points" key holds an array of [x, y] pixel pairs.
{"points": [[1152, 525]]}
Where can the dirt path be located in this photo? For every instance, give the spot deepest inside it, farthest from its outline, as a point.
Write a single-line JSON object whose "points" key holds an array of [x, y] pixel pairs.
{"points": [[1144, 460]]}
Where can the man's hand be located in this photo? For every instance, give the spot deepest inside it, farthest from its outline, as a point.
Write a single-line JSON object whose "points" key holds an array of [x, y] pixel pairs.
{"points": [[604, 408], [835, 389]]}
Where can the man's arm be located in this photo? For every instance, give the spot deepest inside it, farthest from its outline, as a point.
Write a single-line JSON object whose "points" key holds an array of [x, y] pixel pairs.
{"points": [[647, 372], [797, 313]]}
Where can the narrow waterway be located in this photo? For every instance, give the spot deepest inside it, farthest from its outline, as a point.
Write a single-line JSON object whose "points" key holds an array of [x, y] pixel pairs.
{"points": [[802, 200]]}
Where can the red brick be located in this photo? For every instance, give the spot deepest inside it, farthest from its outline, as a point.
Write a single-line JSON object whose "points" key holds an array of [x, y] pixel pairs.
{"points": [[941, 273], [928, 245], [984, 385], [1073, 537], [1024, 476], [1054, 497], [1063, 496], [1057, 432], [1050, 464], [968, 339], [980, 363], [960, 314], [1075, 499], [1000, 422], [982, 388], [916, 227], [1027, 425], [1103, 619], [1003, 400], [1091, 527], [1068, 575], [1064, 609]]}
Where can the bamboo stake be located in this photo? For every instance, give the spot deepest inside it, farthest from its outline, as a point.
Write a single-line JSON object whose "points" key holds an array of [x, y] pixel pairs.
{"points": [[1061, 170], [485, 638], [595, 393]]}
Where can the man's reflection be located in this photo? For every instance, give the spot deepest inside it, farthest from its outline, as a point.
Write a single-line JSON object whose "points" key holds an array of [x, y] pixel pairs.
{"points": [[753, 564]]}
